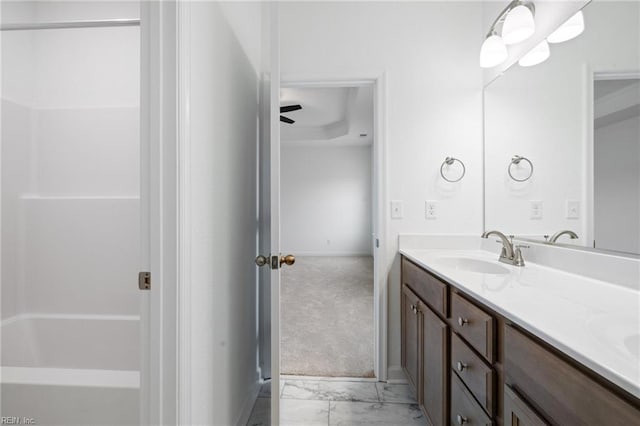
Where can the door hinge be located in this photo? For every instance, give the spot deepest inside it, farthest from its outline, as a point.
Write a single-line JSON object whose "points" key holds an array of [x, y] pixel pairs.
{"points": [[144, 280], [377, 243]]}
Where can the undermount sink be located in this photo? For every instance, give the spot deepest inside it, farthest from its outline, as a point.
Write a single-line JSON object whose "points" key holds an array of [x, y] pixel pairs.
{"points": [[472, 265]]}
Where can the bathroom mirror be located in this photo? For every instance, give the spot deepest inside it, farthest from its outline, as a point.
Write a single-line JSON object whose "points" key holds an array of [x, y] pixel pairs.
{"points": [[562, 138]]}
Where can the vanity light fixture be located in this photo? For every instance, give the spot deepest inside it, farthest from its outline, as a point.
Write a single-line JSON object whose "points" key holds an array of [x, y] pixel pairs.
{"points": [[537, 55], [572, 28], [517, 25]]}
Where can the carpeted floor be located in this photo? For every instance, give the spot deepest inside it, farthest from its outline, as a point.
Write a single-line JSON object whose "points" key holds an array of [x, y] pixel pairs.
{"points": [[326, 318]]}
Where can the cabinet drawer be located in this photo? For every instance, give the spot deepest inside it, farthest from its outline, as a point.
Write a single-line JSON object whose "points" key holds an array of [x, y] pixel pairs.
{"points": [[474, 372], [518, 413], [474, 325], [464, 409], [430, 289], [559, 390]]}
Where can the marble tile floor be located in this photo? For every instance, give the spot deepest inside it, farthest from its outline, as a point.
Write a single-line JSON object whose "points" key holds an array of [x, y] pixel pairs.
{"points": [[332, 403]]}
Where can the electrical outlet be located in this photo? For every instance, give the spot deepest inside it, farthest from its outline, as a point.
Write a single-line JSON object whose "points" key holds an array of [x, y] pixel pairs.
{"points": [[573, 209], [396, 209], [431, 209], [536, 209]]}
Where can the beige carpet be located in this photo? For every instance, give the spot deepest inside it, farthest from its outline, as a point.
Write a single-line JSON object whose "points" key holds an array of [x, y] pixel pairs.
{"points": [[327, 317]]}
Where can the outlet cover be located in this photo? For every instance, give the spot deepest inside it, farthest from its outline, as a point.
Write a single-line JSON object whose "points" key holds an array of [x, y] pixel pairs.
{"points": [[431, 209], [535, 209]]}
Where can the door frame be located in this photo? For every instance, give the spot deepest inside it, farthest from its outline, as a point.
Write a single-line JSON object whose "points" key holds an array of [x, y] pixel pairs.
{"points": [[590, 77], [164, 367], [379, 196]]}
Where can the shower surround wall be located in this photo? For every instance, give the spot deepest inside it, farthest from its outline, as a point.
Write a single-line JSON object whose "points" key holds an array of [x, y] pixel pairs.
{"points": [[70, 172]]}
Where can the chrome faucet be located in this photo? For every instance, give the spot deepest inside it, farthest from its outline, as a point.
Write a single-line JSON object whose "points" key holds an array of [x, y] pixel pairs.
{"points": [[558, 234], [509, 254]]}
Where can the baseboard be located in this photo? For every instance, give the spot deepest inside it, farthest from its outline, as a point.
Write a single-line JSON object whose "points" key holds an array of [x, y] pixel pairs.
{"points": [[396, 375], [247, 406], [325, 254]]}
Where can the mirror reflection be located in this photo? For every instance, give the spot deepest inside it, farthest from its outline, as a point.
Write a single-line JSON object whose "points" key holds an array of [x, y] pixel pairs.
{"points": [[562, 138]]}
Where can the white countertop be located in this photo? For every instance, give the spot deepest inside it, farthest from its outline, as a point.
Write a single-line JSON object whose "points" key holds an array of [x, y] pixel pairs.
{"points": [[594, 322]]}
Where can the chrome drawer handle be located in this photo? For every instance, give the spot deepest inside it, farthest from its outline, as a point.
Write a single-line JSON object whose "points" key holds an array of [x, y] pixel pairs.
{"points": [[461, 366], [462, 321], [461, 419]]}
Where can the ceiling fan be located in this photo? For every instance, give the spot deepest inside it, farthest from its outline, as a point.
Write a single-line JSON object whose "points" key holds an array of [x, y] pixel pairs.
{"points": [[288, 108]]}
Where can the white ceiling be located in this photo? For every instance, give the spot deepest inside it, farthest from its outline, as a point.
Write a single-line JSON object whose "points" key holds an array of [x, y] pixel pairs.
{"points": [[329, 115]]}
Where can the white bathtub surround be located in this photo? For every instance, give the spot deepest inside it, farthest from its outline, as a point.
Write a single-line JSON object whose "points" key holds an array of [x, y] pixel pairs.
{"points": [[595, 322], [53, 364]]}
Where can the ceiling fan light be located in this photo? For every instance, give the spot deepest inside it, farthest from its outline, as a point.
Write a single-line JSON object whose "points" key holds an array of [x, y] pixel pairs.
{"points": [[519, 25], [493, 51], [536, 56], [572, 28]]}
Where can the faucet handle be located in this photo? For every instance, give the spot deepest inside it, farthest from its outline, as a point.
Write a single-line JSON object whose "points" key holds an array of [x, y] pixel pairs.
{"points": [[518, 260]]}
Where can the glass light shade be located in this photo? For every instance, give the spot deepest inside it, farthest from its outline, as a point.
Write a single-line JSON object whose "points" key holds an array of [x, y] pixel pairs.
{"points": [[537, 55], [518, 25], [572, 28], [493, 52]]}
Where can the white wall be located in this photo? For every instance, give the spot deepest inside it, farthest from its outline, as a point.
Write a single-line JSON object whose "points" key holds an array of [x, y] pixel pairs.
{"points": [[325, 200], [70, 162], [617, 186], [428, 53], [542, 112], [221, 206]]}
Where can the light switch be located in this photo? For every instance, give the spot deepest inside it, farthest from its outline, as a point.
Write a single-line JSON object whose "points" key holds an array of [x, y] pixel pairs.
{"points": [[573, 209], [396, 209], [536, 209], [431, 209]]}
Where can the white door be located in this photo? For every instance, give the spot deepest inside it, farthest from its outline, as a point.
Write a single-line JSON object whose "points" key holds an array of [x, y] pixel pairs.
{"points": [[269, 258]]}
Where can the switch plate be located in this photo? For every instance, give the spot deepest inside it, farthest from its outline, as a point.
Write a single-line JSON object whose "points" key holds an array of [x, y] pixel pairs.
{"points": [[536, 209], [396, 209], [573, 209], [431, 209]]}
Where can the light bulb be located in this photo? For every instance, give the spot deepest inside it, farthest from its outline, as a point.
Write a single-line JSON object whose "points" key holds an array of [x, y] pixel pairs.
{"points": [[537, 55], [518, 25], [572, 28], [493, 51]]}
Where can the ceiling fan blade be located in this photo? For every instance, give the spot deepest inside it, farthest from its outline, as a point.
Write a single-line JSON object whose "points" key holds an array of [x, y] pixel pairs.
{"points": [[286, 120], [290, 108]]}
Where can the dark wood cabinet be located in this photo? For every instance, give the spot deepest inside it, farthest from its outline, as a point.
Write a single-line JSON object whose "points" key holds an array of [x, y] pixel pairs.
{"points": [[410, 337], [469, 365], [518, 413], [434, 361]]}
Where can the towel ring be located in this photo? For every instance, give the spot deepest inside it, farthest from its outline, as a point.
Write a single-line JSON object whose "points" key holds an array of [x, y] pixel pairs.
{"points": [[447, 162], [516, 159]]}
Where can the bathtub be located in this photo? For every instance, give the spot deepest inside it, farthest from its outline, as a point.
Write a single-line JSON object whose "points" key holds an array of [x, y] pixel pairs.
{"points": [[70, 369]]}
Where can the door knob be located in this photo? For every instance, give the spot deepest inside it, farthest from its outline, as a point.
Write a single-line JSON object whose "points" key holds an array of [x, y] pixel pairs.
{"points": [[288, 260], [262, 260]]}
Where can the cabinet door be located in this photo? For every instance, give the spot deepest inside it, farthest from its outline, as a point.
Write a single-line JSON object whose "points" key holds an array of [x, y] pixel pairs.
{"points": [[517, 412], [410, 337], [435, 363]]}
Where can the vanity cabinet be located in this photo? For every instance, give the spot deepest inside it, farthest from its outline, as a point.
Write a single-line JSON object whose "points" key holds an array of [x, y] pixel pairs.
{"points": [[517, 412], [425, 346], [468, 365]]}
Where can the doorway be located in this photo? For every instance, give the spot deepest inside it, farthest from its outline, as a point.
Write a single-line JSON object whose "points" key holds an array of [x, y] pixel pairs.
{"points": [[326, 169]]}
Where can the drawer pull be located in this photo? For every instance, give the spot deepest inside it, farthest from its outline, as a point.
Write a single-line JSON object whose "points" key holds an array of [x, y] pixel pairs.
{"points": [[415, 309], [461, 419], [461, 366], [462, 321]]}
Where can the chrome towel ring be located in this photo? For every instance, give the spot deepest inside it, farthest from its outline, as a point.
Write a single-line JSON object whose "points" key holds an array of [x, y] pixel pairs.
{"points": [[448, 162], [516, 159]]}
